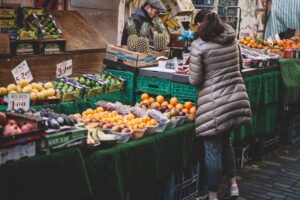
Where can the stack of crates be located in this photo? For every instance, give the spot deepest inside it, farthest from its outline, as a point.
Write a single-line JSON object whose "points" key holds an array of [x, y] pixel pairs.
{"points": [[127, 95], [9, 21], [184, 92]]}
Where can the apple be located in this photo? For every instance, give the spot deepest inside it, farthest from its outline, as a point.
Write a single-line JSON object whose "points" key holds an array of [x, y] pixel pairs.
{"points": [[95, 120], [181, 113], [101, 124], [178, 110], [2, 118], [126, 130], [27, 128], [110, 126], [123, 126], [116, 129]]}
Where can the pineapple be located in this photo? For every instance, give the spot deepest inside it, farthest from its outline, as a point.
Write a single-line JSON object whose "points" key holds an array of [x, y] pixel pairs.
{"points": [[133, 38], [143, 42], [160, 42]]}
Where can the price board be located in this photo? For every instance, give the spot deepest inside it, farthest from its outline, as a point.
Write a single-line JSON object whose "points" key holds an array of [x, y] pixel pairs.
{"points": [[18, 100], [64, 69], [22, 71]]}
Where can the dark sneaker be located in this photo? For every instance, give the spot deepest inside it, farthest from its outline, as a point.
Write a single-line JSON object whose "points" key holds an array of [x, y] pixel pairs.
{"points": [[233, 193]]}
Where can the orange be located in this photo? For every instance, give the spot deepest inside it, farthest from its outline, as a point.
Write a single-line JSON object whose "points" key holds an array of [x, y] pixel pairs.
{"points": [[170, 106], [266, 43], [254, 45], [193, 110], [179, 105], [99, 109], [146, 118], [147, 101], [188, 104], [114, 113], [248, 38], [260, 46], [241, 41], [173, 101], [89, 111], [246, 43], [165, 103], [274, 41], [153, 122], [249, 45], [84, 113], [152, 100], [160, 99], [144, 96], [186, 110], [252, 41]]}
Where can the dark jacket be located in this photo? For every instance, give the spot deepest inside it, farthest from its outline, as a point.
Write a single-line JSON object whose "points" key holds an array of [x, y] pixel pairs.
{"points": [[139, 16], [222, 98]]}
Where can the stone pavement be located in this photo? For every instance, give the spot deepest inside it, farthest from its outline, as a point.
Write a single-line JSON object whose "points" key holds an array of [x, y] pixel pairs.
{"points": [[276, 176]]}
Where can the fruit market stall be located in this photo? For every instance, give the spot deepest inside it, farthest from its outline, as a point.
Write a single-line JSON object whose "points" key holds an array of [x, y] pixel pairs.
{"points": [[78, 41]]}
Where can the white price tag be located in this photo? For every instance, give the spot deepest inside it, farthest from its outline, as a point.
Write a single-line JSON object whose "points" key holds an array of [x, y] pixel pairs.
{"points": [[22, 71], [64, 69], [18, 100]]}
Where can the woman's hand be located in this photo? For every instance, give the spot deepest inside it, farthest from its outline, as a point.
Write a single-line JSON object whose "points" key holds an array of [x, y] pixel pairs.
{"points": [[186, 69]]}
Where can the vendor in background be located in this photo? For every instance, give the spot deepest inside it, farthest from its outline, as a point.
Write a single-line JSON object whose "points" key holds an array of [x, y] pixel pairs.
{"points": [[222, 101], [146, 13]]}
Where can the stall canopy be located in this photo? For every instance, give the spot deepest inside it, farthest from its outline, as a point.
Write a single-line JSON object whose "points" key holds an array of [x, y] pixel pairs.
{"points": [[284, 14]]}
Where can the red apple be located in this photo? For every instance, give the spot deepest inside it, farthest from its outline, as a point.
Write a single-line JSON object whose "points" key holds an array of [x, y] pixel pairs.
{"points": [[27, 128]]}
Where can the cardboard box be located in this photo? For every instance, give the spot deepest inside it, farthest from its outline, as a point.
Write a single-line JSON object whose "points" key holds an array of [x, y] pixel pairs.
{"points": [[121, 54]]}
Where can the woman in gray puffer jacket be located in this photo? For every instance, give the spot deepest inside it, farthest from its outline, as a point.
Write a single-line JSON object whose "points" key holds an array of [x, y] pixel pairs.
{"points": [[222, 98]]}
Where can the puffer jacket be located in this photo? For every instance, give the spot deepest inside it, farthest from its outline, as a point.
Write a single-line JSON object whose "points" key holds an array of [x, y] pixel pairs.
{"points": [[222, 98]]}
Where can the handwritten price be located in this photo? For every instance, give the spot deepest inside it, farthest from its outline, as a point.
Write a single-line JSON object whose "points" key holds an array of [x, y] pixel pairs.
{"points": [[20, 100], [22, 71], [64, 69]]}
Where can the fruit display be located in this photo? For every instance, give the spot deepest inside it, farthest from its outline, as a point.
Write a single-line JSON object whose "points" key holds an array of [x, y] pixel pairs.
{"points": [[143, 42], [256, 58], [15, 123], [274, 47], [38, 91], [46, 24], [27, 34], [70, 88], [116, 83], [160, 41], [95, 86], [132, 38]]}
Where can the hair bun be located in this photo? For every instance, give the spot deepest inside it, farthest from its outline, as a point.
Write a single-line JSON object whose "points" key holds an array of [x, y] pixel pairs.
{"points": [[211, 16]]}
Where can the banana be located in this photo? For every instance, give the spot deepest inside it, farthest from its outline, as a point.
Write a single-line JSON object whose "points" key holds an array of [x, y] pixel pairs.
{"points": [[90, 140]]}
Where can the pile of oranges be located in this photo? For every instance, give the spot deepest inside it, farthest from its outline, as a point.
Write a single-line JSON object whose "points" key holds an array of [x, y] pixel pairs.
{"points": [[115, 118], [274, 47], [187, 107]]}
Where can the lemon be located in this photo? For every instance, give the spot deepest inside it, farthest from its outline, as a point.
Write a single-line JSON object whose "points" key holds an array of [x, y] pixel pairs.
{"points": [[23, 83], [3, 91], [48, 85], [11, 87], [27, 89]]}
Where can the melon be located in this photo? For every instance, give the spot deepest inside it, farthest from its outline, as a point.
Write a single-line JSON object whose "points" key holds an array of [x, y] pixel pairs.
{"points": [[34, 91], [33, 96], [23, 83], [40, 95], [3, 91], [11, 87], [19, 89], [27, 89], [48, 85], [51, 92]]}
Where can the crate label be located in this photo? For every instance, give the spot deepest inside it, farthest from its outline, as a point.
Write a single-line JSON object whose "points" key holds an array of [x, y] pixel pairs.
{"points": [[18, 100], [22, 71], [7, 23], [94, 92], [64, 69]]}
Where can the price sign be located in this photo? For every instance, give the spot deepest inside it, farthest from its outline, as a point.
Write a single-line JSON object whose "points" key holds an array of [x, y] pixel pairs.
{"points": [[22, 71], [64, 69], [18, 100]]}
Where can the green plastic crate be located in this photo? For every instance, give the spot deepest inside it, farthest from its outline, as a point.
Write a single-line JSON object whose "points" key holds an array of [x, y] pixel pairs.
{"points": [[270, 90], [183, 90], [242, 132], [184, 99], [153, 85], [138, 97], [126, 97], [254, 89], [128, 76]]}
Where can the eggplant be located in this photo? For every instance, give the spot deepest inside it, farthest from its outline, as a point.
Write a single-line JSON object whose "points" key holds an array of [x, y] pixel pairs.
{"points": [[68, 121], [73, 119], [60, 120], [53, 124]]}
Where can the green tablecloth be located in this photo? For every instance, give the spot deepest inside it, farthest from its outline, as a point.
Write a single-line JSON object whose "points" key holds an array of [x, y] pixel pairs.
{"points": [[290, 87], [60, 175], [103, 174], [126, 167]]}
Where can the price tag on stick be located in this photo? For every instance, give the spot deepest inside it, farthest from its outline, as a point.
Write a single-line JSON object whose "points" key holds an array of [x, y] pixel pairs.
{"points": [[64, 69], [22, 71], [18, 100]]}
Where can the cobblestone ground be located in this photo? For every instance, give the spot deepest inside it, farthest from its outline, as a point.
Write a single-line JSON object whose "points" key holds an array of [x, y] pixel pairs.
{"points": [[276, 176]]}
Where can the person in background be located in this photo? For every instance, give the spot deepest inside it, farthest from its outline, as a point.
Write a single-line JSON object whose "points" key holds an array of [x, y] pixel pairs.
{"points": [[222, 101], [146, 13]]}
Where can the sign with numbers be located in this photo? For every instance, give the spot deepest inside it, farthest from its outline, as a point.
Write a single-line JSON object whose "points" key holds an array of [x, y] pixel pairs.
{"points": [[64, 69], [18, 100], [22, 71]]}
